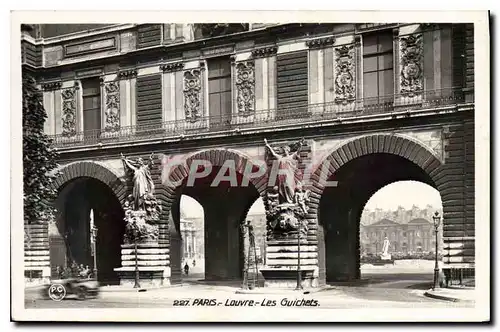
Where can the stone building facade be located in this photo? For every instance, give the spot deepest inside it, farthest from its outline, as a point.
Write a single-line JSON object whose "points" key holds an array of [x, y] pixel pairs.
{"points": [[378, 103], [414, 237]]}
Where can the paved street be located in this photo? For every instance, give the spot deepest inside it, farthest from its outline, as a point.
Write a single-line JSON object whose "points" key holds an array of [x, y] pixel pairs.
{"points": [[377, 290]]}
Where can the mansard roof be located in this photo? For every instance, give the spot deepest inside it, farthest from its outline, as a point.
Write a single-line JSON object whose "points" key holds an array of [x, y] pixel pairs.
{"points": [[420, 221], [385, 222]]}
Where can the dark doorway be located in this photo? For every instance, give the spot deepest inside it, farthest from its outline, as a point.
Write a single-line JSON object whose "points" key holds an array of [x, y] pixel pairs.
{"points": [[75, 203]]}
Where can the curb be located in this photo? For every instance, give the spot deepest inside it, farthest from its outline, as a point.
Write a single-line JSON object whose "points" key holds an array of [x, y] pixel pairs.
{"points": [[444, 297], [279, 291]]}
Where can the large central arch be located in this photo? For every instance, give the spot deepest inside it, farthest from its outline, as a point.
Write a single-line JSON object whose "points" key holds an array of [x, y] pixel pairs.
{"points": [[361, 166], [225, 206]]}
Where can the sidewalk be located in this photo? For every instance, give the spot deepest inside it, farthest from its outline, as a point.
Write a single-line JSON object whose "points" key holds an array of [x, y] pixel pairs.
{"points": [[453, 294], [119, 288]]}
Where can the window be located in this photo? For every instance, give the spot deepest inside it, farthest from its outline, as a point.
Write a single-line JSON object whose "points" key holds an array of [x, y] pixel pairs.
{"points": [[219, 90], [91, 92], [378, 71], [292, 84]]}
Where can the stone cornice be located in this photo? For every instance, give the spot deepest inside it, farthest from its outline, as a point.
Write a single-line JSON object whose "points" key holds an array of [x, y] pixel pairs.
{"points": [[264, 52], [171, 67], [265, 36], [115, 28], [320, 42], [51, 86]]}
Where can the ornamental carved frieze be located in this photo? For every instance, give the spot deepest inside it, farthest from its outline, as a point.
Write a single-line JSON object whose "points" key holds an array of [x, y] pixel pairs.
{"points": [[345, 80], [127, 74], [320, 42], [411, 63], [245, 86], [69, 112], [112, 111], [51, 86], [192, 95], [172, 67], [264, 52]]}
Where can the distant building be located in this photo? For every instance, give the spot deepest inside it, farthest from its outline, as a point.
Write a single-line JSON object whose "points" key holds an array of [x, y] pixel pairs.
{"points": [[401, 214], [190, 243], [416, 236], [193, 235]]}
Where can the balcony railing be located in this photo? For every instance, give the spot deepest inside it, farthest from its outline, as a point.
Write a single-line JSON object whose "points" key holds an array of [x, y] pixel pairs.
{"points": [[299, 115]]}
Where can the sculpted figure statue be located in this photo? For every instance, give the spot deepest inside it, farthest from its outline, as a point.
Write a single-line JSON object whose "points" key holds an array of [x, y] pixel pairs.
{"points": [[273, 197], [143, 183], [287, 166], [385, 247], [301, 198]]}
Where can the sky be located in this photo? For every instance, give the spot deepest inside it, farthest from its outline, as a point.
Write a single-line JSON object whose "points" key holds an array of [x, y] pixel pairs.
{"points": [[402, 193]]}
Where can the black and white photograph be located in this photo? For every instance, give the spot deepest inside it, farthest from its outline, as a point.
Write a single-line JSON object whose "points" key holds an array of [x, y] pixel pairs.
{"points": [[326, 171]]}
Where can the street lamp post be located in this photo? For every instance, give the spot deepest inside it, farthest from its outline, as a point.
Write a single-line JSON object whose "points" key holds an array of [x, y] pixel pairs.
{"points": [[136, 284], [437, 220], [299, 275], [94, 244]]}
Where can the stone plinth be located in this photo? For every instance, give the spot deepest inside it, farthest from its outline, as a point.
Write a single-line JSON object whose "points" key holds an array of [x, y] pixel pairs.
{"points": [[386, 257], [286, 277], [153, 263], [36, 254], [282, 262]]}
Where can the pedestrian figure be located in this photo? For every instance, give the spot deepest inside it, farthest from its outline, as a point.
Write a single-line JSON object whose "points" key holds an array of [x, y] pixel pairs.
{"points": [[59, 272], [194, 262], [87, 272], [186, 269]]}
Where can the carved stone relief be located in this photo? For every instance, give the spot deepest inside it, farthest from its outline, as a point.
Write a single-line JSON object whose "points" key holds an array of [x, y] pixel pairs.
{"points": [[245, 86], [411, 50], [127, 74], [112, 112], [192, 95], [69, 112], [51, 86], [320, 42], [345, 81], [171, 67], [264, 52]]}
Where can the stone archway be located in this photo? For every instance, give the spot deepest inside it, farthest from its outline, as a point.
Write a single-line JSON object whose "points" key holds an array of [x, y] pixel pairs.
{"points": [[362, 166], [216, 157], [223, 207], [94, 170], [396, 144], [82, 187]]}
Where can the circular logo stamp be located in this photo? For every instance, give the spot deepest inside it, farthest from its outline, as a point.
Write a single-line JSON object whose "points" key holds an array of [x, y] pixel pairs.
{"points": [[57, 292]]}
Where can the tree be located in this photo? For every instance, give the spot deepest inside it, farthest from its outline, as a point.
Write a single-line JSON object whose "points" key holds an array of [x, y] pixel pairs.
{"points": [[39, 158]]}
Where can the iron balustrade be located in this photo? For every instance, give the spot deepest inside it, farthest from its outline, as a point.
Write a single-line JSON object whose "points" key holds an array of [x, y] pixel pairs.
{"points": [[299, 114]]}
